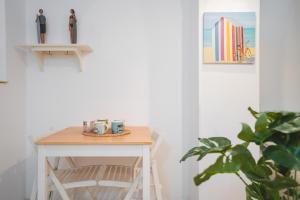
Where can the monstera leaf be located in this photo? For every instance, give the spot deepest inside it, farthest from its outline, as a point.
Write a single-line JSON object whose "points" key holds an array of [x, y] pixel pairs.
{"points": [[282, 156], [261, 133], [211, 145], [221, 166], [237, 158], [289, 127], [280, 182], [247, 134], [253, 171]]}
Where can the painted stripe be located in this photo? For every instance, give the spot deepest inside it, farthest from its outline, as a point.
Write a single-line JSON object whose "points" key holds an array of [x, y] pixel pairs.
{"points": [[225, 39], [242, 41], [230, 27], [222, 39], [217, 41], [228, 40], [219, 27], [241, 47], [233, 44], [239, 42], [213, 44], [236, 43]]}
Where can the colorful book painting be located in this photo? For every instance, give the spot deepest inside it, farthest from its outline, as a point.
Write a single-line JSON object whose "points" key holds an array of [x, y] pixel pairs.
{"points": [[229, 38]]}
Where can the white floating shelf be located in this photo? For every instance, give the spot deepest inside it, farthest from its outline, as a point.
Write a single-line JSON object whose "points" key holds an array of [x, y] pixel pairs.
{"points": [[42, 50]]}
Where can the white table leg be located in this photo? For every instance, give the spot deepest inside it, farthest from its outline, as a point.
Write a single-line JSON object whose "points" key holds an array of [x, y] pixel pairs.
{"points": [[42, 175], [146, 172]]}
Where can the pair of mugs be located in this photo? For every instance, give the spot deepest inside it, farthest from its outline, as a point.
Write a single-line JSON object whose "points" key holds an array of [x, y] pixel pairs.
{"points": [[101, 126]]}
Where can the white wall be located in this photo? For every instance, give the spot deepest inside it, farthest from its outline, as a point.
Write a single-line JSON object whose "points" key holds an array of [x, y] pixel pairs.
{"points": [[279, 55], [12, 101], [190, 93], [12, 106], [133, 74], [225, 93], [164, 31], [2, 42]]}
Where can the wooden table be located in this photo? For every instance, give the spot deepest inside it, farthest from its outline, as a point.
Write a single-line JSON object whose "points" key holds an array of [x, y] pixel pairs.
{"points": [[71, 142]]}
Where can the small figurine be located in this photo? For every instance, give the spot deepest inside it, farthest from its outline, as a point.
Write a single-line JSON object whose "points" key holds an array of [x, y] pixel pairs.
{"points": [[41, 26], [73, 27]]}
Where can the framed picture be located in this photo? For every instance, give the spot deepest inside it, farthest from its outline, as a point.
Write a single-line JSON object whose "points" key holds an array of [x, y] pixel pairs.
{"points": [[3, 77], [229, 37]]}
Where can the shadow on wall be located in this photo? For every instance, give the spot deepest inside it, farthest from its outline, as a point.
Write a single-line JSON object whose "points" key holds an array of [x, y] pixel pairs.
{"points": [[12, 182]]}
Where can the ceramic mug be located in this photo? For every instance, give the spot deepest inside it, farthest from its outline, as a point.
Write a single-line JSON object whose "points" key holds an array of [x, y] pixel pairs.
{"points": [[100, 128], [103, 120], [117, 126]]}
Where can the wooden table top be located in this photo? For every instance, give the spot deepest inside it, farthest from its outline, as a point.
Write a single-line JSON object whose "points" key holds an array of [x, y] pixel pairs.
{"points": [[74, 136]]}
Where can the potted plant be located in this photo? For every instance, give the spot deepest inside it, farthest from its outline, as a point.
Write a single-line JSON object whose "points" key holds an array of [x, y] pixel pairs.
{"points": [[273, 176]]}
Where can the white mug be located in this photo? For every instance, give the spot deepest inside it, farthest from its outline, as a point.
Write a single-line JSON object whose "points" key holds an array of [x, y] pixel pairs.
{"points": [[100, 128]]}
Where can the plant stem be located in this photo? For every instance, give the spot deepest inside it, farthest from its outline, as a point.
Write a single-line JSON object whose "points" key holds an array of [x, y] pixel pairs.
{"points": [[257, 189], [258, 192], [241, 179], [295, 189]]}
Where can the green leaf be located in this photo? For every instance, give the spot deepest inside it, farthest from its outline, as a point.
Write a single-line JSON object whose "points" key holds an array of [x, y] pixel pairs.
{"points": [[289, 127], [280, 118], [253, 112], [245, 144], [261, 123], [295, 150], [221, 166], [280, 182], [283, 156], [216, 143], [294, 139], [266, 165], [207, 142], [247, 134], [221, 141], [270, 194], [196, 151], [262, 130], [278, 138], [240, 154], [213, 145]]}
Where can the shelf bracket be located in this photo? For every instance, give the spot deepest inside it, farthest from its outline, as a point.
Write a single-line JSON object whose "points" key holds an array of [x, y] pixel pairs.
{"points": [[40, 59], [80, 59]]}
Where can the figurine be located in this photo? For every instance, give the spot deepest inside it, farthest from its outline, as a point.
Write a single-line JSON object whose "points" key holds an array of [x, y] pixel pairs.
{"points": [[41, 26], [73, 27]]}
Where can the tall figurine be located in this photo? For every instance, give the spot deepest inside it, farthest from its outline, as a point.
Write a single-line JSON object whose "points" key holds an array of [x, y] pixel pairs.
{"points": [[73, 27], [41, 26]]}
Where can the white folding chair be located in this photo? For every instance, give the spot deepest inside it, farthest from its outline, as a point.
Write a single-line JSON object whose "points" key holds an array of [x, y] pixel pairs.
{"points": [[73, 178], [129, 178], [63, 180], [154, 171]]}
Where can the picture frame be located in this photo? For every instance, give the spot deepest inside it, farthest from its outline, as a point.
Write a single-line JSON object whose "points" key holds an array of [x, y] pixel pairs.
{"points": [[229, 37]]}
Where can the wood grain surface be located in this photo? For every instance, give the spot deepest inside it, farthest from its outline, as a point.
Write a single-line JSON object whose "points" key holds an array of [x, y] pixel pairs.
{"points": [[74, 136]]}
